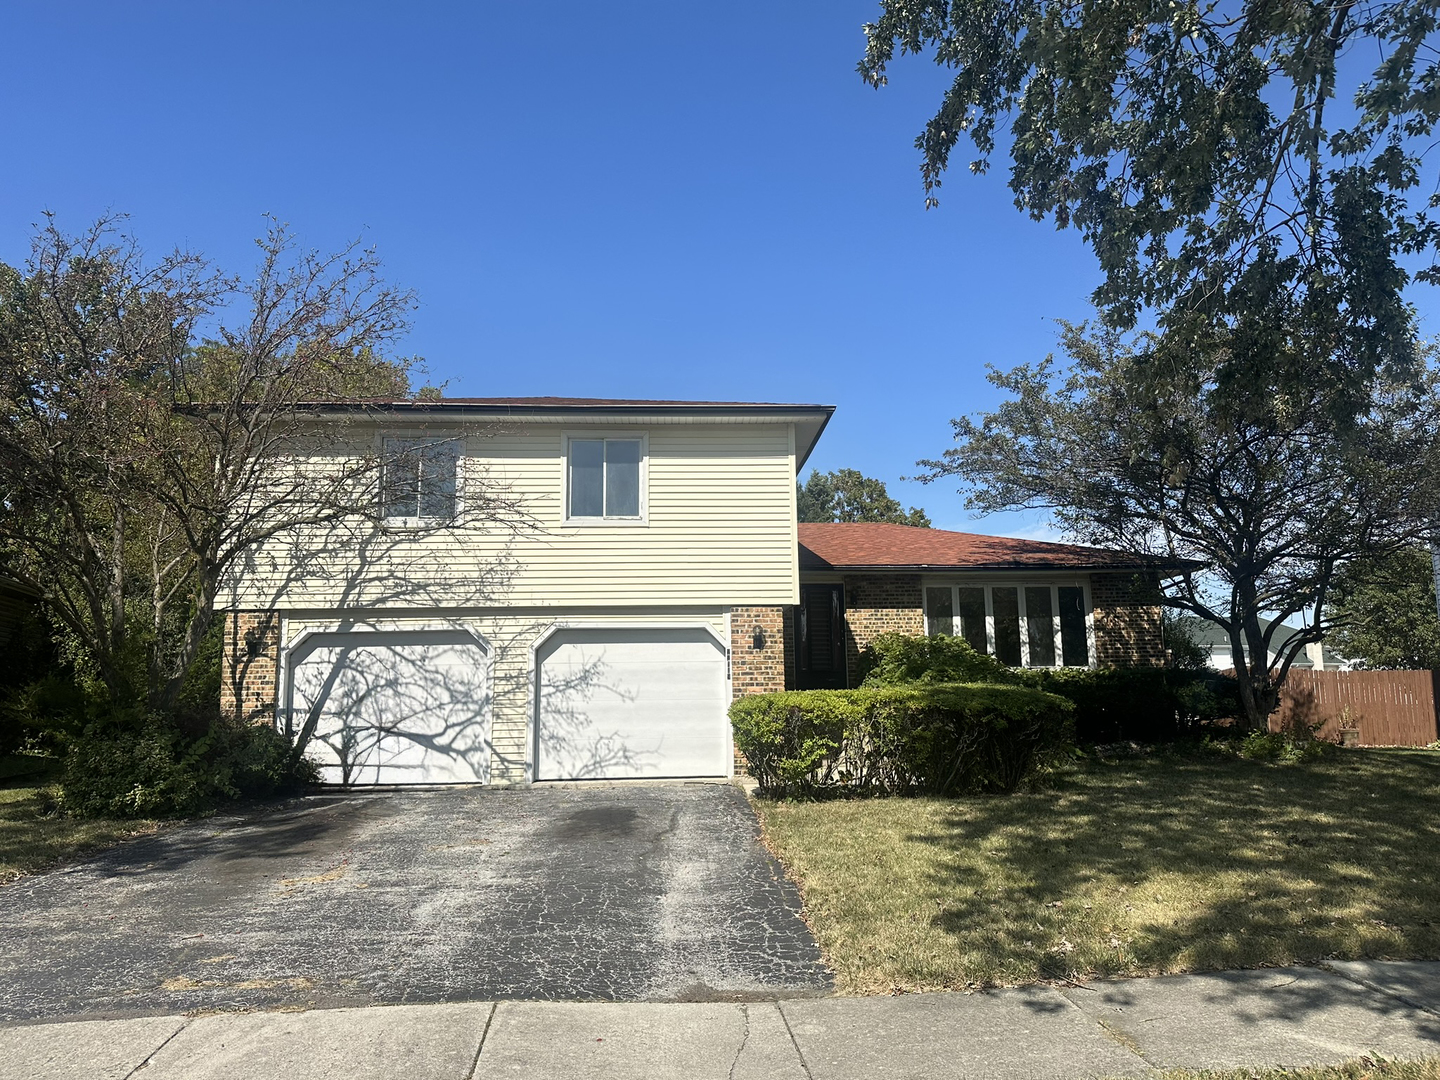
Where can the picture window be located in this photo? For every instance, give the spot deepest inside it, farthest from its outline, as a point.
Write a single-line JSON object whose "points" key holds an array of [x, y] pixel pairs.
{"points": [[1044, 626]]}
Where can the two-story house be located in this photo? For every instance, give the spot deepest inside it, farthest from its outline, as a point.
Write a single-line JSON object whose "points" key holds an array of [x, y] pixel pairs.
{"points": [[644, 567]]}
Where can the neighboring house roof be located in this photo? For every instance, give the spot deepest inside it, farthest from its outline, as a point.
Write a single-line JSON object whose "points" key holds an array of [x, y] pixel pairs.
{"points": [[875, 546], [809, 420], [1214, 640], [10, 586]]}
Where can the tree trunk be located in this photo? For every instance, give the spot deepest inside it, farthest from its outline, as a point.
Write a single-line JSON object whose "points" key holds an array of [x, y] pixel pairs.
{"points": [[201, 620]]}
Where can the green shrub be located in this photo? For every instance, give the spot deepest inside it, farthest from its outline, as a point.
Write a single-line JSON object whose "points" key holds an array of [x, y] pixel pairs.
{"points": [[942, 738], [1144, 704], [897, 659], [1284, 747], [146, 766]]}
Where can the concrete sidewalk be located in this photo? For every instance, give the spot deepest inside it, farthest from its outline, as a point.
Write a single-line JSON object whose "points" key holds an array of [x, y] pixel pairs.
{"points": [[1290, 1016]]}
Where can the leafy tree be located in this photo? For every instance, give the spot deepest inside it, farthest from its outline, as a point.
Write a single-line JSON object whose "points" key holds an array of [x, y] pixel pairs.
{"points": [[141, 461], [1384, 610], [1251, 165], [849, 495], [1183, 649], [1145, 447]]}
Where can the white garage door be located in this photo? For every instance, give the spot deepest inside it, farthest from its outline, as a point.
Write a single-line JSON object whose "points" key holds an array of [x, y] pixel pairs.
{"points": [[627, 703], [407, 707]]}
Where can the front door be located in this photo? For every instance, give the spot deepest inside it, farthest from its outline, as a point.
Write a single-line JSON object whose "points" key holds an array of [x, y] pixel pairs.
{"points": [[820, 638]]}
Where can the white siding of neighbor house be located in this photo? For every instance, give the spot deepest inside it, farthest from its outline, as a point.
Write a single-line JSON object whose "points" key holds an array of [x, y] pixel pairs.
{"points": [[510, 635], [720, 530]]}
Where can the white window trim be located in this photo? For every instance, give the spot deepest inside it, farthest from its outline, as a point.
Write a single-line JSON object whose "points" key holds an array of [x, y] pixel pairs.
{"points": [[618, 435], [430, 437], [1019, 584]]}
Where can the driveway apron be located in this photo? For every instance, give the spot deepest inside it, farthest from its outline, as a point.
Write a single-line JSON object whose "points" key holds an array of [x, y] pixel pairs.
{"points": [[620, 893]]}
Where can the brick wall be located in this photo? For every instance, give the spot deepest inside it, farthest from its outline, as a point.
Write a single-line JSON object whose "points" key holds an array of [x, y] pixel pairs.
{"points": [[249, 662], [1127, 619], [763, 670], [760, 671], [879, 604]]}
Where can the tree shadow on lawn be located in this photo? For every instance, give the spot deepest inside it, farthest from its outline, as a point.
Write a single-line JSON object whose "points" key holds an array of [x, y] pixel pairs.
{"points": [[1161, 864]]}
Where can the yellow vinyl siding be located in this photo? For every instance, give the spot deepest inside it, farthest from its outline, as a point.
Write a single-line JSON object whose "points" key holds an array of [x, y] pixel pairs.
{"points": [[720, 531]]}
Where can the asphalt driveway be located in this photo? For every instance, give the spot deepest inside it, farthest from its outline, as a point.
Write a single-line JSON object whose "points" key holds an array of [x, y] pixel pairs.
{"points": [[621, 893]]}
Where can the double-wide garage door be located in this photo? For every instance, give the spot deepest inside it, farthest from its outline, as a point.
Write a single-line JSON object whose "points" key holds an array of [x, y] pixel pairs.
{"points": [[414, 706], [626, 703]]}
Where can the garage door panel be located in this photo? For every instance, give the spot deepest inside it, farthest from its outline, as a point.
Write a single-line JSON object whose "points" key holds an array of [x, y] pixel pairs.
{"points": [[631, 703], [395, 708]]}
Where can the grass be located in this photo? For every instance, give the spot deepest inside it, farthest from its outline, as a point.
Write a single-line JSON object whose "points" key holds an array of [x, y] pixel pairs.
{"points": [[1135, 866], [1360, 1069], [34, 836]]}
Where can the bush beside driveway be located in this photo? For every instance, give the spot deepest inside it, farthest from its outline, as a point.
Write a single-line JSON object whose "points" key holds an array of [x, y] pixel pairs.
{"points": [[1141, 865]]}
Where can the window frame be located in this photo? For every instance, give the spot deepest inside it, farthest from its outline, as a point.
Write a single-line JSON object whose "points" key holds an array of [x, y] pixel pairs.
{"points": [[1019, 584], [610, 435], [387, 438]]}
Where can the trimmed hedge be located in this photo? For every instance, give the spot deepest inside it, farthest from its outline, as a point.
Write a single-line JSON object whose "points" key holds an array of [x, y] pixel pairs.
{"points": [[1139, 704], [939, 738]]}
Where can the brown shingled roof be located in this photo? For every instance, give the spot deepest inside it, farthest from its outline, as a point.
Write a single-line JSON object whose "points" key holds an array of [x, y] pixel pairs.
{"points": [[874, 546]]}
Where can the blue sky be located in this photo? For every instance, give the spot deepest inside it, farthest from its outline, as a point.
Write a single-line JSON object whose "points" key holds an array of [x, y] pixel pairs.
{"points": [[626, 200]]}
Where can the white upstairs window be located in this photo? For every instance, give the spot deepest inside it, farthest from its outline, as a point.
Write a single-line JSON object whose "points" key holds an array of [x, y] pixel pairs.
{"points": [[418, 479], [605, 479]]}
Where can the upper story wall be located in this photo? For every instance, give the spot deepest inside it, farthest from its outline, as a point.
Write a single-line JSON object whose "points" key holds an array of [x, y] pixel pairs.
{"points": [[720, 528]]}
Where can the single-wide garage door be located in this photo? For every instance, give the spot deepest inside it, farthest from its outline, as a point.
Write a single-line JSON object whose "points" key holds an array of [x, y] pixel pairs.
{"points": [[404, 707], [619, 704]]}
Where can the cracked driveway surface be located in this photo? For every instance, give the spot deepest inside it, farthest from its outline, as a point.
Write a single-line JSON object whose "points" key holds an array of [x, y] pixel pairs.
{"points": [[619, 893]]}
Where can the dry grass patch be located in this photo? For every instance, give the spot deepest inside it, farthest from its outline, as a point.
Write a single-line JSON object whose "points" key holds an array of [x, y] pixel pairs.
{"points": [[1361, 1069], [1129, 867], [35, 836]]}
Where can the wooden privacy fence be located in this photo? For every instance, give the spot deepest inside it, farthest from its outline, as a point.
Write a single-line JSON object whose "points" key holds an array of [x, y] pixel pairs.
{"points": [[1371, 708]]}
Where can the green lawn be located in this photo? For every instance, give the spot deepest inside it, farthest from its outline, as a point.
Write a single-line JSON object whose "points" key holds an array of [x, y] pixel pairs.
{"points": [[33, 836], [1135, 866]]}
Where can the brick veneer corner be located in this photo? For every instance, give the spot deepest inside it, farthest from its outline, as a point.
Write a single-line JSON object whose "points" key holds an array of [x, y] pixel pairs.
{"points": [[878, 604], [1127, 620], [764, 670], [249, 666]]}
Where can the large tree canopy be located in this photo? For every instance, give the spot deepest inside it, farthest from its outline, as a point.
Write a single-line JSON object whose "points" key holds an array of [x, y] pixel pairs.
{"points": [[1247, 162], [850, 495], [141, 459], [1138, 446], [1385, 611]]}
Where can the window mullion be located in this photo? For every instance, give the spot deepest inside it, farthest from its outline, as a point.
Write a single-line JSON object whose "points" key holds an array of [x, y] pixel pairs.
{"points": [[1024, 626], [414, 507], [989, 619], [1089, 622], [1055, 608]]}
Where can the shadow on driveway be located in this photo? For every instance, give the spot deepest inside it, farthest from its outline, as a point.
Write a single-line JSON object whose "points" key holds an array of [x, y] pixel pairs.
{"points": [[616, 893]]}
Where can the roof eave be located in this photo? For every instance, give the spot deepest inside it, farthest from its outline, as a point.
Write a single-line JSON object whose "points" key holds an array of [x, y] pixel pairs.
{"points": [[1162, 568]]}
